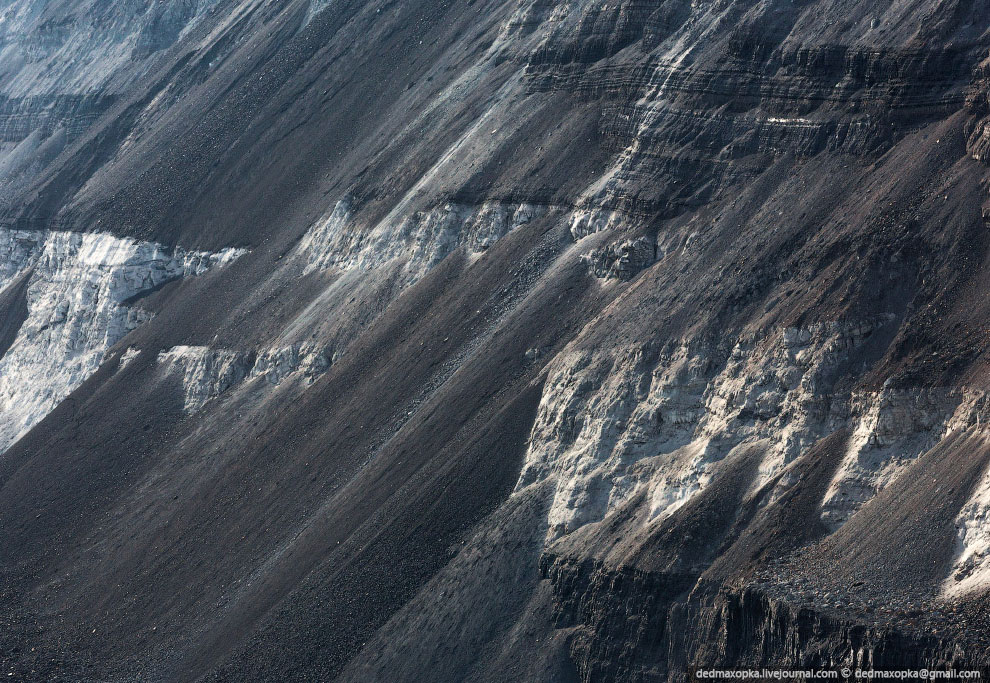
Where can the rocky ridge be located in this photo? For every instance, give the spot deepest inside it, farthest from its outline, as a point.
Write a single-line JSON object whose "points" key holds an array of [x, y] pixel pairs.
{"points": [[566, 341]]}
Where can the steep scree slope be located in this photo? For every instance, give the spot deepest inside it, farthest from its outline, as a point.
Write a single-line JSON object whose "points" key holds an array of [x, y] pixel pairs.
{"points": [[553, 340]]}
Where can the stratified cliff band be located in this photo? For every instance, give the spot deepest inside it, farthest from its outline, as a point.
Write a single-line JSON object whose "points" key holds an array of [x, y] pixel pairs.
{"points": [[543, 340]]}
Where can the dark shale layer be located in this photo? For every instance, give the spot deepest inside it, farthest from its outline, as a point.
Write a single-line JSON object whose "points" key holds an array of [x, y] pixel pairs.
{"points": [[566, 340]]}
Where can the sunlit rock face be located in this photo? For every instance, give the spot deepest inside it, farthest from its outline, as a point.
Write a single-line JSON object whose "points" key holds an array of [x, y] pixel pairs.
{"points": [[627, 421], [73, 290], [207, 373], [551, 340], [418, 241]]}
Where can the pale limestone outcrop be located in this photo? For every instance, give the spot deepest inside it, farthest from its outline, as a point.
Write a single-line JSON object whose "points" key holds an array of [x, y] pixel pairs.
{"points": [[613, 421], [77, 286], [206, 373], [419, 241]]}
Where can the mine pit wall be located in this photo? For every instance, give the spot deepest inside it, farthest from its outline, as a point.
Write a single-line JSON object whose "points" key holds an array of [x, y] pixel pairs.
{"points": [[923, 449], [19, 117], [667, 81], [646, 626], [72, 298], [631, 623]]}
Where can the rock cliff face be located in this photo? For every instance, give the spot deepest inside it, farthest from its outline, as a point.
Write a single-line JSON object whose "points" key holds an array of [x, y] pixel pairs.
{"points": [[67, 301], [505, 340]]}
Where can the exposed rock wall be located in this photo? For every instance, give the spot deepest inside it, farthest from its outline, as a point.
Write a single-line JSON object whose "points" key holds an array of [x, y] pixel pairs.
{"points": [[642, 627], [418, 241], [71, 113], [207, 373], [578, 341], [621, 260], [62, 69], [615, 421], [76, 290]]}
